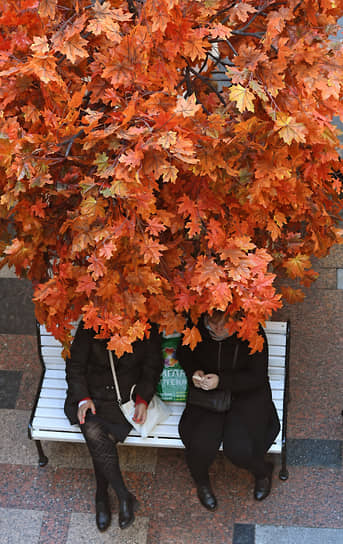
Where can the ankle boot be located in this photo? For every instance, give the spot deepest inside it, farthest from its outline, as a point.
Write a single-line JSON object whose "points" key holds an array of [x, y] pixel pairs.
{"points": [[207, 497], [127, 508], [103, 513], [263, 485]]}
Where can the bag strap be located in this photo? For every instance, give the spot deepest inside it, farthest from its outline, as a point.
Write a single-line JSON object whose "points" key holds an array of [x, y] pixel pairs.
{"points": [[116, 385]]}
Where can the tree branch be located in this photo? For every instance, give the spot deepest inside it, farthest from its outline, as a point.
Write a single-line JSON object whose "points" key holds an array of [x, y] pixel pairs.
{"points": [[218, 60], [258, 35], [132, 8], [231, 47], [69, 141], [207, 82]]}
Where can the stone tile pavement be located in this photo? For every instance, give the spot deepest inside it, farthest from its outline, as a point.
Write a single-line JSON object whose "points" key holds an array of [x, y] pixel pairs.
{"points": [[55, 504]]}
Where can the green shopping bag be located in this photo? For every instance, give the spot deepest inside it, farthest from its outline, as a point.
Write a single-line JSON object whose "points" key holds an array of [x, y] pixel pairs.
{"points": [[173, 381]]}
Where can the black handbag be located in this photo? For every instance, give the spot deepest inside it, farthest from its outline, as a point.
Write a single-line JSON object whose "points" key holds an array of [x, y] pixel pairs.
{"points": [[215, 400]]}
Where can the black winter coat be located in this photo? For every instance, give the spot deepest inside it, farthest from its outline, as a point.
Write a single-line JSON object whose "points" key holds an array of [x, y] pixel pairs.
{"points": [[88, 373], [248, 381]]}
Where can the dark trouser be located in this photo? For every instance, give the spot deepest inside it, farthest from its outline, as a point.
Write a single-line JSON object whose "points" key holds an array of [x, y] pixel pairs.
{"points": [[101, 444], [203, 431]]}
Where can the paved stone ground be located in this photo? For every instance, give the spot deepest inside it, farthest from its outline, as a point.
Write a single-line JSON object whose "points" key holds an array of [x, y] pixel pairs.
{"points": [[54, 504]]}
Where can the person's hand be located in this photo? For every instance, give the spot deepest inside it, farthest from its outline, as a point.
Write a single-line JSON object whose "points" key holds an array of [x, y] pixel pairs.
{"points": [[198, 377], [140, 413], [210, 381], [82, 410]]}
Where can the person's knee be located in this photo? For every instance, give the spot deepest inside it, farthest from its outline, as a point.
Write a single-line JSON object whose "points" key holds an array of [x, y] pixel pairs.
{"points": [[92, 430], [238, 453], [202, 448]]}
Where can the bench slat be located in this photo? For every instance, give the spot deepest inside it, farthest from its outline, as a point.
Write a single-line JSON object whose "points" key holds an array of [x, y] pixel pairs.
{"points": [[53, 393], [49, 403], [276, 339], [276, 326]]}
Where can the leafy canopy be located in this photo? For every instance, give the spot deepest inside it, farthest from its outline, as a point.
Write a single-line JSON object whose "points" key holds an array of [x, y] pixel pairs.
{"points": [[162, 157]]}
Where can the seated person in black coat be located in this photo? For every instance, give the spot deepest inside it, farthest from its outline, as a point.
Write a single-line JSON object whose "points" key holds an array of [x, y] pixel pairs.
{"points": [[247, 430], [91, 402]]}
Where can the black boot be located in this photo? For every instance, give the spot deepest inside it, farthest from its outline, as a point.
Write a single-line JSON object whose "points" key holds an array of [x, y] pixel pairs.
{"points": [[127, 508], [206, 496], [103, 514], [263, 485]]}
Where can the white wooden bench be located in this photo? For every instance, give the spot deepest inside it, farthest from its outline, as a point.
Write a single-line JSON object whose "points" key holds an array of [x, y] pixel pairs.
{"points": [[48, 421]]}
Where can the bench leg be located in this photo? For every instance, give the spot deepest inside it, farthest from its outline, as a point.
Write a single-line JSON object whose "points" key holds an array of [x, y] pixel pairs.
{"points": [[43, 460], [283, 474]]}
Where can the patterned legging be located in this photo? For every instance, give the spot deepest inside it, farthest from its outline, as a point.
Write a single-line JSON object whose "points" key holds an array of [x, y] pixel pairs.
{"points": [[103, 450]]}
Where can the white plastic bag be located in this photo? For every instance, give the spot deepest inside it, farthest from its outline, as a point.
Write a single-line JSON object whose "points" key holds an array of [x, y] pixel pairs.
{"points": [[157, 412]]}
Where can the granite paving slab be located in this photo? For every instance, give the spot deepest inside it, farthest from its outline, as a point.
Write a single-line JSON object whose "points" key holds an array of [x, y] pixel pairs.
{"points": [[54, 528], [177, 513], [265, 534], [243, 533], [20, 526], [16, 448], [82, 530], [63, 490], [314, 452], [137, 459], [7, 272], [9, 387], [19, 352], [312, 496], [17, 310], [316, 377]]}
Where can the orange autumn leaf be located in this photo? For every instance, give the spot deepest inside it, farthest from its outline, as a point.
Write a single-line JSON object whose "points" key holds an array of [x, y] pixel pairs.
{"points": [[191, 337], [44, 67], [195, 46], [86, 285], [155, 226], [242, 11], [47, 8], [73, 48], [120, 345], [296, 266], [153, 250], [97, 267], [187, 106], [292, 295]]}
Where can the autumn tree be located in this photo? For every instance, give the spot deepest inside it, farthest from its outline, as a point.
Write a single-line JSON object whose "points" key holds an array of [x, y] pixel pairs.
{"points": [[162, 157]]}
